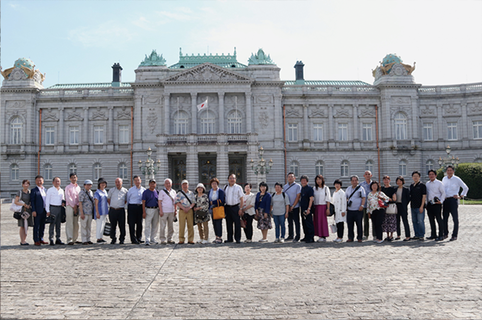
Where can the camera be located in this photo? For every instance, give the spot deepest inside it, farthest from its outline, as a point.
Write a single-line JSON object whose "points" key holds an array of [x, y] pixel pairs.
{"points": [[350, 203]]}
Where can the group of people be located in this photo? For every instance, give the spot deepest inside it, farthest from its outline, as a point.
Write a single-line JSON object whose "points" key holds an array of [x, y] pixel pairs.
{"points": [[299, 203]]}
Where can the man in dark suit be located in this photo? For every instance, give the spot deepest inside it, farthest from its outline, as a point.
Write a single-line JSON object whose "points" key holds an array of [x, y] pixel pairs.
{"points": [[37, 199]]}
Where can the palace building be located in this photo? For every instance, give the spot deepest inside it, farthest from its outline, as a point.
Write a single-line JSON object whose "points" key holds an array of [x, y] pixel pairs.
{"points": [[335, 128]]}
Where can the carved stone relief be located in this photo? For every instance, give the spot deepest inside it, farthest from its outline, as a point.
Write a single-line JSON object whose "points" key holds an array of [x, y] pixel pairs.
{"points": [[293, 112], [451, 110], [98, 115], [317, 112], [366, 112], [401, 100], [152, 119], [342, 112], [426, 111], [207, 73], [123, 114], [73, 116], [49, 115], [475, 109]]}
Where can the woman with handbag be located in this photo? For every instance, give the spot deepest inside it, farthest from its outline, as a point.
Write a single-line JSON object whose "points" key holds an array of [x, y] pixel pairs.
{"points": [[321, 201], [26, 219], [101, 209], [389, 224], [263, 209], [86, 209], [216, 203], [248, 208], [340, 203], [201, 213], [402, 199], [376, 210]]}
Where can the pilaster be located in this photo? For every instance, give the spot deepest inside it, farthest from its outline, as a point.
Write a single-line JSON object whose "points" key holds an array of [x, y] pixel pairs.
{"points": [[194, 113], [222, 162], [192, 166], [137, 119], [110, 129], [249, 112], [221, 117], [167, 113], [85, 131], [60, 131]]}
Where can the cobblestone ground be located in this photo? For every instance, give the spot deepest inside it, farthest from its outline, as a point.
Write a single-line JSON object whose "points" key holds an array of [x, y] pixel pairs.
{"points": [[398, 280]]}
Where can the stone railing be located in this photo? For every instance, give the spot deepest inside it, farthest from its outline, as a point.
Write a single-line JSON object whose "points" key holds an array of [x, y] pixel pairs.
{"points": [[303, 89], [461, 88], [203, 138], [52, 93]]}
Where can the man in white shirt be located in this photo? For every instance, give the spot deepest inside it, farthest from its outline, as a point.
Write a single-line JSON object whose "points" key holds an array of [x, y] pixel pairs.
{"points": [[452, 185], [117, 198], [435, 198], [234, 201], [167, 211], [54, 201]]}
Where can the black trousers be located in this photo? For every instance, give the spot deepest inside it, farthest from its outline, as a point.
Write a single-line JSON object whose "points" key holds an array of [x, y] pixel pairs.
{"points": [[134, 219], [117, 217], [232, 218], [294, 224], [377, 218], [451, 206], [39, 226], [340, 228], [402, 214], [352, 217], [308, 227], [248, 231], [434, 212]]}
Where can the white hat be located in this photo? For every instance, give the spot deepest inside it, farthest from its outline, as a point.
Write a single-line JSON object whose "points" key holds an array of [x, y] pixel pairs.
{"points": [[200, 185], [184, 181]]}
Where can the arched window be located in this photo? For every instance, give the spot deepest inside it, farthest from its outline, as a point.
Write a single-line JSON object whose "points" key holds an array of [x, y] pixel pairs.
{"points": [[48, 172], [319, 167], [234, 122], [400, 126], [180, 122], [123, 171], [295, 168], [72, 168], [97, 171], [208, 119], [16, 128], [478, 160], [14, 172], [369, 165], [402, 168], [344, 168], [429, 165]]}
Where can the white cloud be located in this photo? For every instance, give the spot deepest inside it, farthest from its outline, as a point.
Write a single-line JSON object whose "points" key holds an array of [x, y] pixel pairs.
{"points": [[104, 35]]}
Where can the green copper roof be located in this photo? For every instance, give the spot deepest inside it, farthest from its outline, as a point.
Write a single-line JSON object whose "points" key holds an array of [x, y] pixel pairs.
{"points": [[87, 85], [326, 83], [225, 61], [153, 60], [260, 58]]}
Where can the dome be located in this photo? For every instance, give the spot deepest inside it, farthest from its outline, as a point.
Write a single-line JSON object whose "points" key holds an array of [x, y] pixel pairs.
{"points": [[391, 58], [24, 62]]}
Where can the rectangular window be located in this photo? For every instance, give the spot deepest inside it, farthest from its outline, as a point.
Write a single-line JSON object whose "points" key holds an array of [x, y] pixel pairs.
{"points": [[292, 132], [123, 134], [452, 130], [343, 131], [98, 134], [180, 126], [317, 132], [207, 126], [49, 136], [428, 131], [477, 129], [74, 135], [367, 132]]}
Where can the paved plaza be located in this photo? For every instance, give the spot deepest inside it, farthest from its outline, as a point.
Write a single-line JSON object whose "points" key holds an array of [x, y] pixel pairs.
{"points": [[398, 280]]}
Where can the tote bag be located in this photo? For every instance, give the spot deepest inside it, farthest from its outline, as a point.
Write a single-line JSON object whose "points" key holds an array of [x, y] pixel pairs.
{"points": [[218, 212]]}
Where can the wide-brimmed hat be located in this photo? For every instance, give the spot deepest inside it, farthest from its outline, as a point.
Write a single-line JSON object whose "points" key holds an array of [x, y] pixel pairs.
{"points": [[200, 185]]}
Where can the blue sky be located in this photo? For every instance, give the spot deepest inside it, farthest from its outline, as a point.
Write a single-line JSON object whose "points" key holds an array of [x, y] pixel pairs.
{"points": [[78, 41]]}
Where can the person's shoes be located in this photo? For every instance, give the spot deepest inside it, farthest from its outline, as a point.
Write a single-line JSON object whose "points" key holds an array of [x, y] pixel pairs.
{"points": [[171, 242], [263, 240], [200, 241], [78, 242], [295, 240], [453, 239], [303, 240], [52, 242], [191, 242], [289, 239], [421, 239], [379, 241], [100, 240], [439, 239], [365, 238], [43, 242], [135, 242], [121, 242], [180, 242], [360, 240], [431, 238], [37, 243], [70, 243], [147, 243], [337, 240], [414, 238], [85, 243], [407, 239], [281, 240], [389, 239], [24, 244], [140, 241], [349, 240], [163, 242], [248, 241], [310, 241], [227, 241], [397, 238], [112, 242], [205, 241], [445, 237], [59, 242], [276, 241], [321, 240]]}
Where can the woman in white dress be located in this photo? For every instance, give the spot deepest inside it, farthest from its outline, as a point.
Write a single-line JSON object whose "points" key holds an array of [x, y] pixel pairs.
{"points": [[339, 201]]}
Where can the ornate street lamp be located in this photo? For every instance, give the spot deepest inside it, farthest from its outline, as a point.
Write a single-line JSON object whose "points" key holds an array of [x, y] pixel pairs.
{"points": [[261, 168], [148, 169], [452, 161]]}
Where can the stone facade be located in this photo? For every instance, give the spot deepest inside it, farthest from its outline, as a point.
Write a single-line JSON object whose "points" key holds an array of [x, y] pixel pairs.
{"points": [[309, 127]]}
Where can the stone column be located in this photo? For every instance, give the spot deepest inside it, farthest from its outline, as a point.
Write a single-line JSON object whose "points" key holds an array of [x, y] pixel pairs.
{"points": [[222, 163], [249, 110], [85, 131], [30, 125], [167, 114], [465, 126], [330, 122], [305, 123], [110, 129], [356, 132], [278, 119], [138, 120], [221, 118], [194, 113], [60, 133], [162, 155], [414, 125], [192, 166]]}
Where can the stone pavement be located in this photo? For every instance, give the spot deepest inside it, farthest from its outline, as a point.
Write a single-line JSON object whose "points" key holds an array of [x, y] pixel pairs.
{"points": [[398, 280]]}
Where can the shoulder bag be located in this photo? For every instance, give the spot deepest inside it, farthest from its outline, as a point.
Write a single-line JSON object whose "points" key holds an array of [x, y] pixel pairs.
{"points": [[218, 212], [351, 195], [173, 203], [332, 206]]}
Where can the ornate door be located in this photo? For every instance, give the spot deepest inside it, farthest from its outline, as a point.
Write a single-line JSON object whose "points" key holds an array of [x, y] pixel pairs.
{"points": [[237, 165], [178, 171], [207, 170]]}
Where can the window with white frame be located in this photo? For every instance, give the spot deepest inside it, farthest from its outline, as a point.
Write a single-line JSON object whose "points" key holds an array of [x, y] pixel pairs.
{"points": [[319, 167], [427, 131], [477, 125], [123, 134], [123, 171], [369, 165], [400, 126], [293, 132], [344, 168], [50, 135], [451, 130], [48, 172], [72, 168], [295, 168], [343, 131], [14, 172], [235, 120], [97, 171], [428, 165], [180, 122], [16, 128], [317, 132], [367, 132], [402, 168], [74, 135], [98, 134], [207, 122]]}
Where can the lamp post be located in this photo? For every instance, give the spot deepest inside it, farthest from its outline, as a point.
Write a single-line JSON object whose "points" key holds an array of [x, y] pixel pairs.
{"points": [[452, 161], [260, 167], [148, 169]]}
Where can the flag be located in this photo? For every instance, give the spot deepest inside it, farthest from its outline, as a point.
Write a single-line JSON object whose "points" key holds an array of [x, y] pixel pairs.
{"points": [[202, 106]]}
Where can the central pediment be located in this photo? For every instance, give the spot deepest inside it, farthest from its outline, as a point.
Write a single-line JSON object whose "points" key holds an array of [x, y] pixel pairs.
{"points": [[206, 72]]}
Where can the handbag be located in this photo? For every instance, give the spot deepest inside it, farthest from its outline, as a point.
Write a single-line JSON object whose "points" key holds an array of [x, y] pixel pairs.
{"points": [[392, 208], [333, 228], [63, 215], [382, 204], [17, 215], [218, 212], [14, 207], [242, 222], [332, 210], [107, 228]]}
